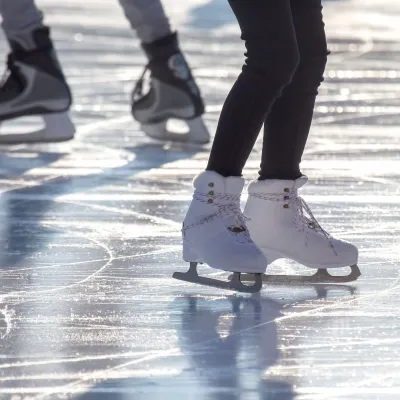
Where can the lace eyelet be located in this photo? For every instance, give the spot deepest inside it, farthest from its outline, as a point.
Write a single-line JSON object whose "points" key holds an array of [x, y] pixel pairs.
{"points": [[210, 201], [286, 206], [237, 229], [211, 193], [286, 190], [286, 198], [211, 184]]}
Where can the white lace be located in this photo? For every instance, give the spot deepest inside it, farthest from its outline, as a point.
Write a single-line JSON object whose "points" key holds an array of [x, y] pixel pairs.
{"points": [[230, 212], [304, 218]]}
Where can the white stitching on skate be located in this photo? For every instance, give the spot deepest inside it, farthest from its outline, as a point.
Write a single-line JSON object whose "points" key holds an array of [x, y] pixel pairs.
{"points": [[301, 220]]}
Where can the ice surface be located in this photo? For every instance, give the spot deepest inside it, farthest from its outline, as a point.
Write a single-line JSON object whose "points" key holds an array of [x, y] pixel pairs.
{"points": [[90, 230]]}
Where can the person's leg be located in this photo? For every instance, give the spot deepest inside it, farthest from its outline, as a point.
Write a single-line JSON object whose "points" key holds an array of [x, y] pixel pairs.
{"points": [[279, 220], [147, 18], [19, 19], [214, 230], [272, 58], [288, 124]]}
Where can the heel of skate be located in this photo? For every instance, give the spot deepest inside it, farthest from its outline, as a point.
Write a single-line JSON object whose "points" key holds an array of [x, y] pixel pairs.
{"points": [[322, 276], [189, 253], [272, 255], [196, 131], [58, 127], [234, 283]]}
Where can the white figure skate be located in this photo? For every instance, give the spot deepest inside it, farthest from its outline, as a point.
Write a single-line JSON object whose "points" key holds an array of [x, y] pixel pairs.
{"points": [[283, 226], [173, 94], [215, 233], [34, 85]]}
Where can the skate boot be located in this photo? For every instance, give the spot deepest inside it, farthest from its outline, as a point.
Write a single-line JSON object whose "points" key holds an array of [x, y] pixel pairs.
{"points": [[35, 85], [173, 94], [214, 232], [283, 226]]}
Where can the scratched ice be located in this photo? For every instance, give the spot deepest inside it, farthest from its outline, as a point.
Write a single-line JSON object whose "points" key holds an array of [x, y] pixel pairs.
{"points": [[90, 230]]}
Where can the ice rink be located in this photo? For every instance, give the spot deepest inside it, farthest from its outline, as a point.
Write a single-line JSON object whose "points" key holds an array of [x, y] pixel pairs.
{"points": [[90, 229]]}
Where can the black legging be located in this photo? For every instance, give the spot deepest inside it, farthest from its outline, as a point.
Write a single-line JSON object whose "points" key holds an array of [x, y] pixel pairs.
{"points": [[286, 58]]}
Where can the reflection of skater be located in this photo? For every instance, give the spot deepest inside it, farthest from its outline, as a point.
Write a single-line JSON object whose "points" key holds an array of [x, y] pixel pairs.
{"points": [[222, 349], [286, 57], [36, 85]]}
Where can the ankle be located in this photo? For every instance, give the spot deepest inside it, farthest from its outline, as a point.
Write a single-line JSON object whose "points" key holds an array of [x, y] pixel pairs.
{"points": [[225, 172], [284, 175]]}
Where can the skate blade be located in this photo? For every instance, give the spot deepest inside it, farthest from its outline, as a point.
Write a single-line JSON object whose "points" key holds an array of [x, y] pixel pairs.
{"points": [[58, 128], [234, 283], [322, 276], [197, 132]]}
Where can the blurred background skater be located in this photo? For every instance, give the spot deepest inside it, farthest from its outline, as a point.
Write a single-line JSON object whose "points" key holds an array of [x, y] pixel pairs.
{"points": [[34, 83]]}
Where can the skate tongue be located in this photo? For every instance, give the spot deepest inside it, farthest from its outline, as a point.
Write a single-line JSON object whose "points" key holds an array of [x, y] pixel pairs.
{"points": [[31, 41]]}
